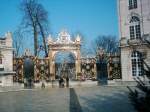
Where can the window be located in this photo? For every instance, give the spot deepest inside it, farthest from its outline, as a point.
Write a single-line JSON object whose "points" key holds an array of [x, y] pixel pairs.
{"points": [[132, 4], [132, 32], [135, 30], [2, 42], [1, 57], [135, 3], [1, 60], [137, 64], [134, 19], [138, 31]]}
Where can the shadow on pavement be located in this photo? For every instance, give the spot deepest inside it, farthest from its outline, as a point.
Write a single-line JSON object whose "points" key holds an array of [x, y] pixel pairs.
{"points": [[74, 102], [116, 102]]}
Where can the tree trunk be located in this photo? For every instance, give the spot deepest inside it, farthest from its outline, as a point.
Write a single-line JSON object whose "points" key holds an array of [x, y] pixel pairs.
{"points": [[35, 40], [43, 36]]}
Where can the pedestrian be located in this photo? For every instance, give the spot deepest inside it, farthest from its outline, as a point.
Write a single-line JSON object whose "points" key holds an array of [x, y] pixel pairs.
{"points": [[62, 82], [43, 85], [67, 81], [59, 82]]}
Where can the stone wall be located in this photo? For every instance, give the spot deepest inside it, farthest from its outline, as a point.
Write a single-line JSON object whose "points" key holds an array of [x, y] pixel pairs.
{"points": [[7, 52], [6, 80]]}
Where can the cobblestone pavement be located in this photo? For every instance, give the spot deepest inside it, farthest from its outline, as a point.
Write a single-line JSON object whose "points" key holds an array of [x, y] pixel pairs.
{"points": [[85, 99]]}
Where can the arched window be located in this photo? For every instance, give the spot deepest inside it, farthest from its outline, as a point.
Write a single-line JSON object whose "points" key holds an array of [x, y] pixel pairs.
{"points": [[132, 4], [134, 19], [137, 64], [135, 28]]}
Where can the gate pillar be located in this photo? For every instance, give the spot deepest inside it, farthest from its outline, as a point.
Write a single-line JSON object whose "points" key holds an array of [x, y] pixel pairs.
{"points": [[78, 65], [52, 66]]}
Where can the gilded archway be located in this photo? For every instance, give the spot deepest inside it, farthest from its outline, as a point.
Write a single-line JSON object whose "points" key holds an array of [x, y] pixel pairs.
{"points": [[64, 43]]}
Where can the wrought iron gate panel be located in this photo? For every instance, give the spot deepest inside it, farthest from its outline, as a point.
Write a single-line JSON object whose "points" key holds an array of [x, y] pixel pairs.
{"points": [[114, 67], [41, 70], [18, 67]]}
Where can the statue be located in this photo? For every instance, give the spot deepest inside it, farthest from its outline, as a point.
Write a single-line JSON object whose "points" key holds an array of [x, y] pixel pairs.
{"points": [[49, 39], [78, 39], [64, 37], [27, 52]]}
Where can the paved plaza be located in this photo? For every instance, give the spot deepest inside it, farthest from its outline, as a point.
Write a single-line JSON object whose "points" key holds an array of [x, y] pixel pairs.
{"points": [[79, 99]]}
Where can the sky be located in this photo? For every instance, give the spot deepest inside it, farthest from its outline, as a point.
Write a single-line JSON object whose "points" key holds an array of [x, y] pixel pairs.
{"points": [[89, 17]]}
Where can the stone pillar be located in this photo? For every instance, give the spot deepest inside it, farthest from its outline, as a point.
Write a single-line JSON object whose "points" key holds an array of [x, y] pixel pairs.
{"points": [[52, 69], [53, 77], [22, 74], [51, 65], [95, 70], [78, 64]]}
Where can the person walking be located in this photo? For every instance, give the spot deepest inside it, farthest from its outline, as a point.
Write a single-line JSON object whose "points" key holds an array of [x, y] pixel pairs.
{"points": [[43, 85], [60, 82], [67, 81]]}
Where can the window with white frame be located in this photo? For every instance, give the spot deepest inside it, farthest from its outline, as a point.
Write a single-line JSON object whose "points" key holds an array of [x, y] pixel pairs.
{"points": [[137, 64], [132, 4], [135, 28], [1, 59]]}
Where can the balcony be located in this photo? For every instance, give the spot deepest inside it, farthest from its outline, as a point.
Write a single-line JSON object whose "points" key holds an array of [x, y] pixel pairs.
{"points": [[134, 41], [146, 38]]}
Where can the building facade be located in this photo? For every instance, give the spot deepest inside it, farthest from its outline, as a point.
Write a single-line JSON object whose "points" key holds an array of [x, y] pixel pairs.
{"points": [[6, 60], [134, 29]]}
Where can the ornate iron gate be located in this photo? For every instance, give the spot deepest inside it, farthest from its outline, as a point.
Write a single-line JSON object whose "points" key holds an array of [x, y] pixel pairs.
{"points": [[41, 69]]}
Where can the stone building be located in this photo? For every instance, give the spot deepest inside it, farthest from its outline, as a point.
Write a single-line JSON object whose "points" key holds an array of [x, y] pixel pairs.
{"points": [[6, 59], [134, 29]]}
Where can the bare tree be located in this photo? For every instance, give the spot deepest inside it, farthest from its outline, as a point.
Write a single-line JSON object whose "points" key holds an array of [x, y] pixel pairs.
{"points": [[109, 43], [18, 41], [35, 17], [42, 21]]}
